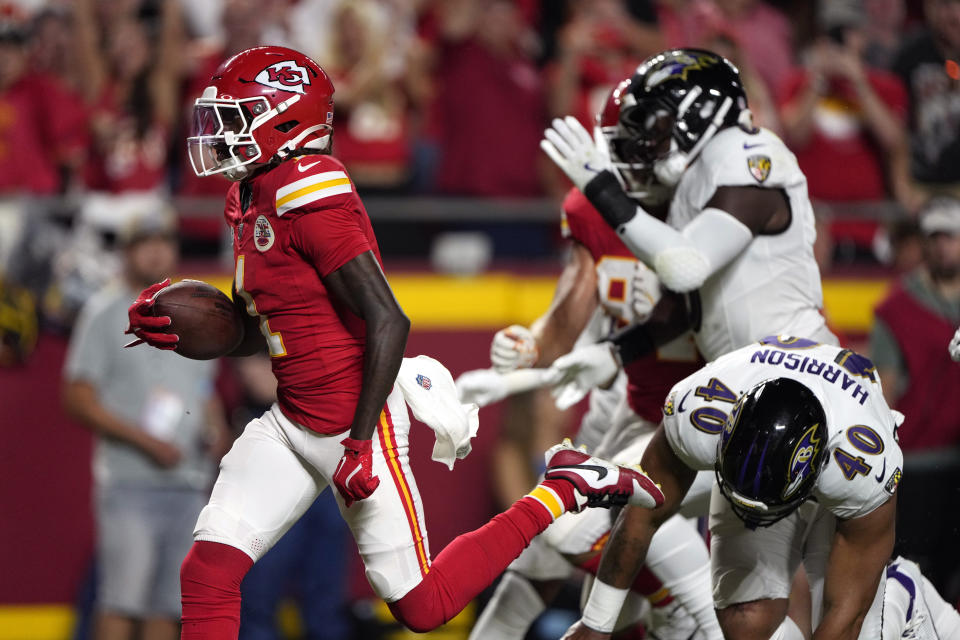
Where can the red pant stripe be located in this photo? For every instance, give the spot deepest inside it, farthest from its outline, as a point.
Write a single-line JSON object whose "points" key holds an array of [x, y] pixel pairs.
{"points": [[388, 445]]}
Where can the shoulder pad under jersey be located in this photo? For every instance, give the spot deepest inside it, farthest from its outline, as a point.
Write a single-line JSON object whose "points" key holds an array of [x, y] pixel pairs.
{"points": [[735, 157]]}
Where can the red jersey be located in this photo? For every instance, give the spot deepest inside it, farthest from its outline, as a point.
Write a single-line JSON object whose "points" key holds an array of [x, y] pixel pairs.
{"points": [[932, 416], [121, 159], [302, 221], [41, 126], [649, 379]]}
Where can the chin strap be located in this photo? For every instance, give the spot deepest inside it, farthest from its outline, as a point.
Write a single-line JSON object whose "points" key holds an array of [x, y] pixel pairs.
{"points": [[321, 144]]}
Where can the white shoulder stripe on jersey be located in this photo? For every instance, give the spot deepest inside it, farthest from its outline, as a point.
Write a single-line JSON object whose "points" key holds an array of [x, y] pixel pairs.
{"points": [[312, 195], [287, 189], [311, 188]]}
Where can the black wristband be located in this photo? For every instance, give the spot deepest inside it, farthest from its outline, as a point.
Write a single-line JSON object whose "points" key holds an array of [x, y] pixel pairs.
{"points": [[607, 196], [633, 343]]}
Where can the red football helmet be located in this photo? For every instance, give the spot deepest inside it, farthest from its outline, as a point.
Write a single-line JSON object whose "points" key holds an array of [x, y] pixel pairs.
{"points": [[262, 105], [638, 180]]}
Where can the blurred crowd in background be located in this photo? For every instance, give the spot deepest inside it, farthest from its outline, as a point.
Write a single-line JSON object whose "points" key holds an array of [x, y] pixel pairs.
{"points": [[450, 98], [439, 107]]}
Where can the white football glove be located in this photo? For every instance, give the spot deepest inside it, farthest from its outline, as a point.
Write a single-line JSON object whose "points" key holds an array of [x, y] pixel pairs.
{"points": [[573, 149], [574, 375], [486, 386], [481, 387], [513, 348], [644, 292], [954, 347]]}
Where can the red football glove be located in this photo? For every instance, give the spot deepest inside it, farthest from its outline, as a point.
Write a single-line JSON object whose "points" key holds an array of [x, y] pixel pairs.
{"points": [[354, 475], [147, 327]]}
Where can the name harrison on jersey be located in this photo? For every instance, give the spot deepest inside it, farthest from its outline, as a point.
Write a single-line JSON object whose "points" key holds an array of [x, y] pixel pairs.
{"points": [[812, 366]]}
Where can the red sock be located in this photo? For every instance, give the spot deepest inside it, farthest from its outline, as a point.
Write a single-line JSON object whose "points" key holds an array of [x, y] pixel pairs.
{"points": [[473, 560], [210, 580]]}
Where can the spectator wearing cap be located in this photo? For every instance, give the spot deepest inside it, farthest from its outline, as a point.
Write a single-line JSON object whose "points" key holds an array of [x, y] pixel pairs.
{"points": [[912, 327], [158, 428], [844, 119], [929, 65]]}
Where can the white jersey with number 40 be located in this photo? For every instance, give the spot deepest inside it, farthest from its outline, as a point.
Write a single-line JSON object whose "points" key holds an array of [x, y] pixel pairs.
{"points": [[773, 286], [864, 462]]}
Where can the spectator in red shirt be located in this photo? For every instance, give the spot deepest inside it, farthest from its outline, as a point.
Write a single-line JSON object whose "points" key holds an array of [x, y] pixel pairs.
{"points": [[490, 101], [378, 81], [600, 45], [907, 343], [131, 85], [242, 29], [41, 126], [844, 119], [762, 32]]}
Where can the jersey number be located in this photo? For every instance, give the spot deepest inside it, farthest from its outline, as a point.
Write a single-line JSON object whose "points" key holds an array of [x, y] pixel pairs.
{"points": [[274, 340], [710, 419], [863, 439], [716, 390]]}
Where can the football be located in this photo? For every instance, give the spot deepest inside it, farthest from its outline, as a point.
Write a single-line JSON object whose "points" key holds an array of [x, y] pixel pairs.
{"points": [[203, 317]]}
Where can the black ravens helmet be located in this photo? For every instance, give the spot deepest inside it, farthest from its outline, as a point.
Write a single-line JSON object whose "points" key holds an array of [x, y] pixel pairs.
{"points": [[771, 451], [674, 104]]}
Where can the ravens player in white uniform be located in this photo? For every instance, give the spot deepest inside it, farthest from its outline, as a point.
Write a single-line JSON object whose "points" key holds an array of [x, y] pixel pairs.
{"points": [[739, 229], [807, 467]]}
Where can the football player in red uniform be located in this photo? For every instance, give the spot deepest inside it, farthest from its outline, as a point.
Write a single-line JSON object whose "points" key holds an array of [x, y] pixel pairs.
{"points": [[309, 277]]}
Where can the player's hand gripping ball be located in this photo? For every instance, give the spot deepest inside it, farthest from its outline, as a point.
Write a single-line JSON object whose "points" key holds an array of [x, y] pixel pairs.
{"points": [[191, 317], [354, 477]]}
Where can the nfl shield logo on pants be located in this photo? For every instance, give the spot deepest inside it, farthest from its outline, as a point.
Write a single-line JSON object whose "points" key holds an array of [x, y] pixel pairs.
{"points": [[424, 381]]}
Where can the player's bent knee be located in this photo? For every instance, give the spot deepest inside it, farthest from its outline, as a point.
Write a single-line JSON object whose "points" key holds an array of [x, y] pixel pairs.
{"points": [[421, 609], [417, 616], [756, 620]]}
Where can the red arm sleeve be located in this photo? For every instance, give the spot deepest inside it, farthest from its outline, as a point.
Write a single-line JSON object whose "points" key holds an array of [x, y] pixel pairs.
{"points": [[329, 238]]}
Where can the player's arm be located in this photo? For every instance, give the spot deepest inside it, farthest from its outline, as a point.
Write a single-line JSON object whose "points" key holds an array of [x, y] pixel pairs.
{"points": [[630, 538], [554, 333], [861, 548], [685, 258], [576, 373], [361, 286], [82, 403], [673, 315], [574, 301]]}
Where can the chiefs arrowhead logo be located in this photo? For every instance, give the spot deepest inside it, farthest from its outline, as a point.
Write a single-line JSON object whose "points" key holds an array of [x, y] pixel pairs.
{"points": [[285, 76]]}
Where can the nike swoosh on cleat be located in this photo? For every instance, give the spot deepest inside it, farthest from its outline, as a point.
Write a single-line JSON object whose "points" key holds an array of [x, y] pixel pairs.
{"points": [[883, 472], [304, 167], [600, 471], [751, 146]]}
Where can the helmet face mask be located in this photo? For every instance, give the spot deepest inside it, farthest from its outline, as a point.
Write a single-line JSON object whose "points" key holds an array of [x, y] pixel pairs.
{"points": [[263, 105], [222, 140], [771, 451], [633, 153], [671, 107]]}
